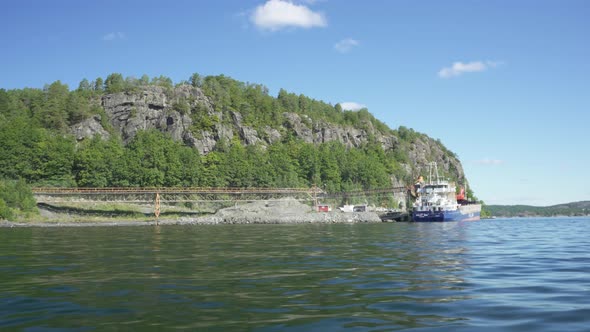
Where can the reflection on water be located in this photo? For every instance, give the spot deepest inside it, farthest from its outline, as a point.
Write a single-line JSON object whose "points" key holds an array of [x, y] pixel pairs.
{"points": [[503, 274]]}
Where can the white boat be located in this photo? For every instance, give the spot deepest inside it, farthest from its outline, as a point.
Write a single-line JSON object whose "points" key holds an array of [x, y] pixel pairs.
{"points": [[437, 201]]}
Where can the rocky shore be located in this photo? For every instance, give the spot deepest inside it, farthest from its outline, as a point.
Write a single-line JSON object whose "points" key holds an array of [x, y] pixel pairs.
{"points": [[285, 211]]}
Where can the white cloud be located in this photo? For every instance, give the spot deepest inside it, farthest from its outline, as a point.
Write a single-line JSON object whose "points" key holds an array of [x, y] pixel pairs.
{"points": [[351, 106], [113, 36], [459, 68], [488, 161], [345, 45], [279, 14]]}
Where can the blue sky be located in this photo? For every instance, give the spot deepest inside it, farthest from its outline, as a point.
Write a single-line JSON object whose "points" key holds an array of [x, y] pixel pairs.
{"points": [[504, 84]]}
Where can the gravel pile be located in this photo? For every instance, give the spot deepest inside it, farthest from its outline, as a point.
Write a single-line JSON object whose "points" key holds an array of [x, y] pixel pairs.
{"points": [[284, 211]]}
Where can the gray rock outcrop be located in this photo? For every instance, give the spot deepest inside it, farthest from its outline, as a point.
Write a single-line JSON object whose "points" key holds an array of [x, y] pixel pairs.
{"points": [[188, 116], [170, 111], [89, 128]]}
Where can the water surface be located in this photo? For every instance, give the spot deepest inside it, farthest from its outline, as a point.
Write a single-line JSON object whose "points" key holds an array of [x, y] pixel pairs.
{"points": [[509, 275]]}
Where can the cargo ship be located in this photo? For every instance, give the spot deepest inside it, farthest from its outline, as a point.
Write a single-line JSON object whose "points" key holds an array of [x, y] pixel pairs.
{"points": [[437, 201]]}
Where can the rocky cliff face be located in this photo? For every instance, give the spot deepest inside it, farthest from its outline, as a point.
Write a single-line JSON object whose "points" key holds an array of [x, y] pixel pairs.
{"points": [[173, 111], [423, 150], [322, 132]]}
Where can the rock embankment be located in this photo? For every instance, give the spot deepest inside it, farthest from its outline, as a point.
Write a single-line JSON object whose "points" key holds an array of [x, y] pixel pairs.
{"points": [[285, 211]]}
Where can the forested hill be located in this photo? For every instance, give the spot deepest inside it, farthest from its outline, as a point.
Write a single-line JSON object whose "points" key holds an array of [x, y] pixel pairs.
{"points": [[206, 131], [568, 209]]}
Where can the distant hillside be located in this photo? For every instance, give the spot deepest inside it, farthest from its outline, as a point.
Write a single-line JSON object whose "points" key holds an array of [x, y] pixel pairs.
{"points": [[209, 131], [568, 209]]}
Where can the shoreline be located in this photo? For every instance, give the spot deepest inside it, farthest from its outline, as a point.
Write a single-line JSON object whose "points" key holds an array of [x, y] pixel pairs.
{"points": [[289, 211], [215, 219]]}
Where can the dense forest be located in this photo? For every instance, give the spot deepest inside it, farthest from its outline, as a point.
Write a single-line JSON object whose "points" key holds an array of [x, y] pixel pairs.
{"points": [[38, 148]]}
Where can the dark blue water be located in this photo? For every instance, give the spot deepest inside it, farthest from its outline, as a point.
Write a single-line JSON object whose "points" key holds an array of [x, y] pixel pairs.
{"points": [[492, 275]]}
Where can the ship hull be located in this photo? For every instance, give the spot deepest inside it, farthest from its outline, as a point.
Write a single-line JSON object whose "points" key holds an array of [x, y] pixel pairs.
{"points": [[464, 213]]}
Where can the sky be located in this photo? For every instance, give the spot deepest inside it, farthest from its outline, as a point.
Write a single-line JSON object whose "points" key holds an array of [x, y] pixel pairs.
{"points": [[504, 84]]}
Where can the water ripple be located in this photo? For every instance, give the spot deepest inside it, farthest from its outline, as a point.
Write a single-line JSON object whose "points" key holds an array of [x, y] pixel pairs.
{"points": [[508, 275]]}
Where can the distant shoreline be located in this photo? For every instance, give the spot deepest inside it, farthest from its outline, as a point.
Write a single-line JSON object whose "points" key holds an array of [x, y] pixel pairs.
{"points": [[573, 209]]}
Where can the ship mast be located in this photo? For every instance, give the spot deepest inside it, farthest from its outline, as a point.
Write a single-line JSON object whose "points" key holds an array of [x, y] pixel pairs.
{"points": [[433, 167]]}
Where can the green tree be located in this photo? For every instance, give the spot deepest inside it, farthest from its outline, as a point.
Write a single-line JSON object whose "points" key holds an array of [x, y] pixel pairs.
{"points": [[52, 160], [18, 136], [131, 84], [4, 102], [94, 163], [190, 166], [288, 101], [16, 198], [114, 83], [5, 212], [155, 160], [330, 172], [196, 80], [237, 169], [53, 115], [77, 107], [212, 174], [262, 172], [84, 85], [309, 164], [144, 80], [99, 85], [284, 168], [163, 81]]}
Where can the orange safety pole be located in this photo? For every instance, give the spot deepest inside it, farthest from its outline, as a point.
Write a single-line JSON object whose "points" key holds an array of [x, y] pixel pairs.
{"points": [[157, 207]]}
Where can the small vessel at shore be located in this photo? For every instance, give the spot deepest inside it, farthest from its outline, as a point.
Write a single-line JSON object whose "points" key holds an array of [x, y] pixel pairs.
{"points": [[437, 201], [353, 208]]}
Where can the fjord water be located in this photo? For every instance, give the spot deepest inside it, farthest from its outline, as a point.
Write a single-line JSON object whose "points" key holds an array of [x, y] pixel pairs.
{"points": [[508, 275]]}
